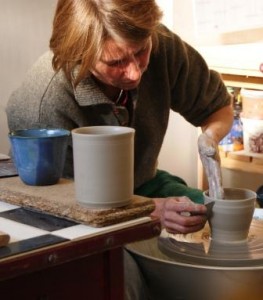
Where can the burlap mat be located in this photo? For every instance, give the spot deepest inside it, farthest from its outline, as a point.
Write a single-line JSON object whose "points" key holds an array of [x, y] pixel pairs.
{"points": [[59, 200]]}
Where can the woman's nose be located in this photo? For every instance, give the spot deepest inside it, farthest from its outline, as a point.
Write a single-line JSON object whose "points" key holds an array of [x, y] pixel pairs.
{"points": [[133, 71]]}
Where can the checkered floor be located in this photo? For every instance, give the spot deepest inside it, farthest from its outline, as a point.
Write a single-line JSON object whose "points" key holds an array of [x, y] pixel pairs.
{"points": [[31, 230]]}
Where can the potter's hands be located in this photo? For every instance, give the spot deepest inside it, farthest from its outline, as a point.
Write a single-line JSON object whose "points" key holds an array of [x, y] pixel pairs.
{"points": [[209, 155], [180, 214]]}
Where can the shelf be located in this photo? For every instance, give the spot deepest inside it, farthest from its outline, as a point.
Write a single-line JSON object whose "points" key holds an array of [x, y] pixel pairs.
{"points": [[249, 82], [242, 161], [238, 160], [236, 59]]}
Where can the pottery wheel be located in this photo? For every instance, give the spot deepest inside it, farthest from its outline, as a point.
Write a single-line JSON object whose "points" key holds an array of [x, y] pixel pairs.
{"points": [[199, 248]]}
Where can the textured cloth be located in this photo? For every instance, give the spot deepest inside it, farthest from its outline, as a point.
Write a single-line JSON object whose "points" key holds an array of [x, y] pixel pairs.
{"points": [[177, 78], [166, 185]]}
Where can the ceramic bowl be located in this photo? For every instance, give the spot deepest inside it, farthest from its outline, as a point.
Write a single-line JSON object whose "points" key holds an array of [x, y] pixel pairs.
{"points": [[230, 218], [39, 154]]}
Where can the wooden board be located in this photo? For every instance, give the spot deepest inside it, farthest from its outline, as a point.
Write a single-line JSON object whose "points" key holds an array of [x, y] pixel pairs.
{"points": [[4, 238], [59, 200], [242, 161]]}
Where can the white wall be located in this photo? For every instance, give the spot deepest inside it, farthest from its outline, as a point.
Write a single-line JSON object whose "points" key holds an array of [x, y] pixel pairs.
{"points": [[179, 153], [25, 27]]}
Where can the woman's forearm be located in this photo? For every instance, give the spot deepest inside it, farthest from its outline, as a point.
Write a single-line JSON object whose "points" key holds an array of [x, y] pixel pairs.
{"points": [[219, 123]]}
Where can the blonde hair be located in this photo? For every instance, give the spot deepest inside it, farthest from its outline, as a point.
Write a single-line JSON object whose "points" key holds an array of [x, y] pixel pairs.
{"points": [[81, 27]]}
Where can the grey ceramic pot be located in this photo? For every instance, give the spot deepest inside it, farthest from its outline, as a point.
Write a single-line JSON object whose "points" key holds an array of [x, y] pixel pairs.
{"points": [[171, 279]]}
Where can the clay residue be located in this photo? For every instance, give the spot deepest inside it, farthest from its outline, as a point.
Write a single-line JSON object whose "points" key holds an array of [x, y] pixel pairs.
{"points": [[210, 159]]}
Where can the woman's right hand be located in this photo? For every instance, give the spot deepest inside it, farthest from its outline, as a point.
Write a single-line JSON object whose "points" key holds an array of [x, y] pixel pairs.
{"points": [[180, 214]]}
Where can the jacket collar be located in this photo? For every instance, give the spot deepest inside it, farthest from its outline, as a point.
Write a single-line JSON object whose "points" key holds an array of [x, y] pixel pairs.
{"points": [[88, 93]]}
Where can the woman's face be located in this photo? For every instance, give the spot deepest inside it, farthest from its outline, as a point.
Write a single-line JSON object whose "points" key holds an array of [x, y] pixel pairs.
{"points": [[122, 64]]}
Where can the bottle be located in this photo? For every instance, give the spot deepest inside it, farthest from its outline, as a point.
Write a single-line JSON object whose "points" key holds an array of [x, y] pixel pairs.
{"points": [[233, 141], [237, 127]]}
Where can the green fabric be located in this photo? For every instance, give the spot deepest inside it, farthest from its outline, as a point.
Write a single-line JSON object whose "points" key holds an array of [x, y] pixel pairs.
{"points": [[167, 185]]}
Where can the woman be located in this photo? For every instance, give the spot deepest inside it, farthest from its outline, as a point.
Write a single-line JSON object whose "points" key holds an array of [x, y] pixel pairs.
{"points": [[113, 63]]}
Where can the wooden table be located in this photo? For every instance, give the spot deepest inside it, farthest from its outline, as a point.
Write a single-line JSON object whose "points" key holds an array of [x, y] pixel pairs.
{"points": [[85, 268]]}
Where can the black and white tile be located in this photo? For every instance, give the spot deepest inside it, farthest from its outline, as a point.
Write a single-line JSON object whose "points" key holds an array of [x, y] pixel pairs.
{"points": [[30, 230]]}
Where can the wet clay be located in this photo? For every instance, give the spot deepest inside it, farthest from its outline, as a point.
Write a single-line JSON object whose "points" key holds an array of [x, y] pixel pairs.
{"points": [[209, 155]]}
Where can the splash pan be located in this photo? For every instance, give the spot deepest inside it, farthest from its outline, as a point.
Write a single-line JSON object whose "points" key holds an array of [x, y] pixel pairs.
{"points": [[193, 267], [198, 248]]}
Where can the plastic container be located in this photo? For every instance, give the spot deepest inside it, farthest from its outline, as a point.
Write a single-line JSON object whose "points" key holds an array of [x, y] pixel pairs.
{"points": [[252, 103], [253, 135], [233, 141], [237, 135]]}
